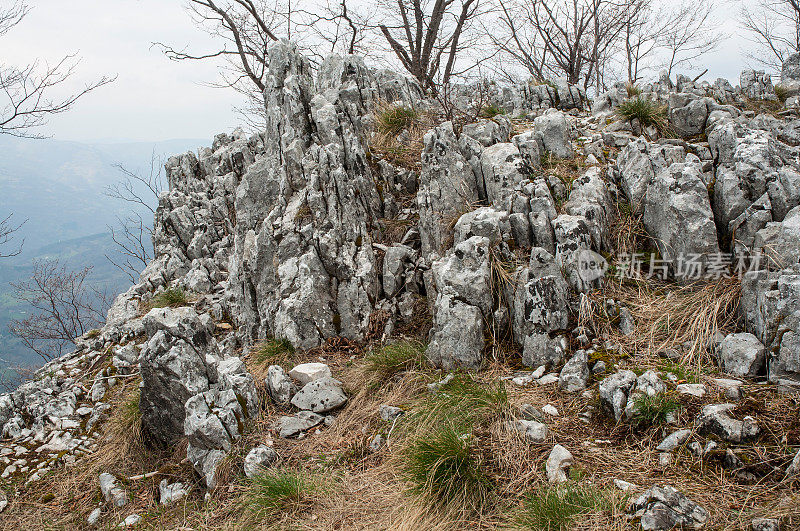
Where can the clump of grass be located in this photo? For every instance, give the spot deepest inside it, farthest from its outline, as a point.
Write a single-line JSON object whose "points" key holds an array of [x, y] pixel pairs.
{"points": [[393, 358], [273, 351], [628, 231], [466, 401], [440, 457], [394, 119], [647, 111], [130, 412], [170, 298], [444, 467], [781, 93], [279, 490], [632, 90], [555, 508], [667, 316], [400, 150], [490, 111], [654, 409]]}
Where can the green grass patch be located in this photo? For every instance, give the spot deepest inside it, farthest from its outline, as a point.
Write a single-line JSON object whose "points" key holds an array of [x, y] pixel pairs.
{"points": [[490, 111], [467, 400], [646, 111], [394, 358], [443, 466], [655, 409], [170, 298], [440, 458], [274, 351], [681, 371], [394, 119], [281, 490], [781, 93], [555, 508]]}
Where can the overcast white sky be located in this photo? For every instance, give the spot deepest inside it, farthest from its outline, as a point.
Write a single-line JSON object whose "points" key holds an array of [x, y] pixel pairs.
{"points": [[157, 99]]}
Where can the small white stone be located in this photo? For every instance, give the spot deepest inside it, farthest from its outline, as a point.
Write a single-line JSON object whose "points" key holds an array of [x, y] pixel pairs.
{"points": [[308, 372], [558, 462], [548, 379], [550, 410], [94, 517], [130, 521], [696, 390], [624, 485]]}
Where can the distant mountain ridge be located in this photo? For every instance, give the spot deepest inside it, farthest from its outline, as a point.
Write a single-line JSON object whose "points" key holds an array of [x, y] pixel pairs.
{"points": [[57, 186]]}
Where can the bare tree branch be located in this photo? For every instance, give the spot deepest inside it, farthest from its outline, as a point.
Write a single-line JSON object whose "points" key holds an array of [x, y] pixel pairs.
{"points": [[773, 25], [132, 235], [64, 308], [7, 230], [26, 102]]}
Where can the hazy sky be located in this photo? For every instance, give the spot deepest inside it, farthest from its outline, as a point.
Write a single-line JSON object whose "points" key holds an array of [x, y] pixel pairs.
{"points": [[156, 99]]}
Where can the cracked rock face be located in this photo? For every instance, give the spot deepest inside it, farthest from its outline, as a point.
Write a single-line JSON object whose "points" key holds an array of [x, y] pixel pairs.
{"points": [[190, 389], [305, 267], [677, 214]]}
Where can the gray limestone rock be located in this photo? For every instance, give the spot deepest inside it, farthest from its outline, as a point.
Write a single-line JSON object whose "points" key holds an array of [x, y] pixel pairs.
{"points": [[320, 395], [575, 373], [664, 507], [741, 354], [258, 459]]}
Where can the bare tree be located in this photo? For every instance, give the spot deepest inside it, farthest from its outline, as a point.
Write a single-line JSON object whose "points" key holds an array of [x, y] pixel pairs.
{"points": [[7, 230], [427, 37], [64, 308], [774, 25], [585, 41], [133, 236], [561, 38], [27, 90], [336, 27], [689, 35]]}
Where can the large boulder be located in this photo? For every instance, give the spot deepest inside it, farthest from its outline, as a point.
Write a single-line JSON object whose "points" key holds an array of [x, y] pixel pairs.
{"points": [[790, 75], [770, 307], [741, 354], [305, 269], [447, 188], [191, 389], [638, 164], [463, 304], [555, 132], [678, 216]]}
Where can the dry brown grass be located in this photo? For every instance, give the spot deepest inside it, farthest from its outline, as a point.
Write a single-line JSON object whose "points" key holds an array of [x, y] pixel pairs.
{"points": [[365, 490], [405, 153], [666, 316], [628, 232]]}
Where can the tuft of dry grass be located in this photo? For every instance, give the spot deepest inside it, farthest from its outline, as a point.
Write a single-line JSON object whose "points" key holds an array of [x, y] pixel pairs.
{"points": [[399, 134], [628, 231], [666, 316]]}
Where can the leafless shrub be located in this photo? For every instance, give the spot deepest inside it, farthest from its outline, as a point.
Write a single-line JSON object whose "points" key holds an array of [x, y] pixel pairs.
{"points": [[64, 308], [7, 229], [133, 235]]}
